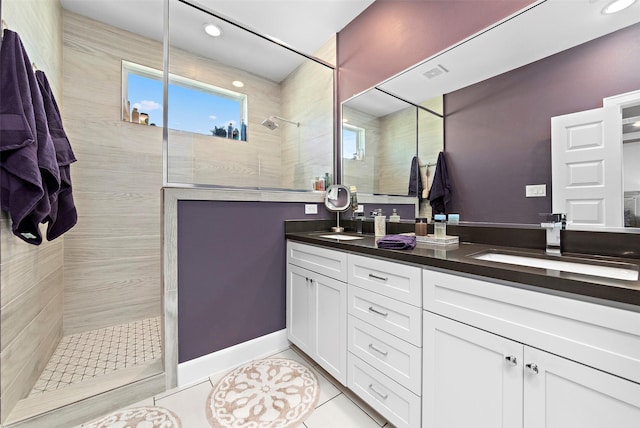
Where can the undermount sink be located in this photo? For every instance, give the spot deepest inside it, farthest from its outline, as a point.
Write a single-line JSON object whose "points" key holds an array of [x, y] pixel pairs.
{"points": [[341, 237], [585, 266]]}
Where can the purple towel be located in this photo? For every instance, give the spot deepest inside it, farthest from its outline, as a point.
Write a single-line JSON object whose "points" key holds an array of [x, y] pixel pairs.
{"points": [[397, 242], [29, 174], [440, 192], [63, 215], [415, 180]]}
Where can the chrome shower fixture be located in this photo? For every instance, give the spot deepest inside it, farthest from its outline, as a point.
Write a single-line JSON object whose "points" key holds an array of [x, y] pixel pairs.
{"points": [[271, 124]]}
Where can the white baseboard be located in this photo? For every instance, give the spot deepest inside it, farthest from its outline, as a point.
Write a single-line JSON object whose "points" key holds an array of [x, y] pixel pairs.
{"points": [[193, 371]]}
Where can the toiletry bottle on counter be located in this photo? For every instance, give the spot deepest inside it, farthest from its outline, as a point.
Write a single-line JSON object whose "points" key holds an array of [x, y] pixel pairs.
{"points": [[421, 227], [394, 217], [440, 226], [243, 131], [380, 226], [135, 115]]}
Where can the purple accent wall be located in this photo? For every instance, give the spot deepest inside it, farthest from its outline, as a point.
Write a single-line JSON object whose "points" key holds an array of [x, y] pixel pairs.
{"points": [[231, 272], [498, 132], [390, 36]]}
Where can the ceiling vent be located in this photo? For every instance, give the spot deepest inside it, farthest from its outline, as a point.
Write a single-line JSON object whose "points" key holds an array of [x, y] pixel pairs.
{"points": [[435, 72]]}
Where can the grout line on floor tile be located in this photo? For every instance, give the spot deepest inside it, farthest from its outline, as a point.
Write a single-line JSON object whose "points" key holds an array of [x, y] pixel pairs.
{"points": [[366, 411]]}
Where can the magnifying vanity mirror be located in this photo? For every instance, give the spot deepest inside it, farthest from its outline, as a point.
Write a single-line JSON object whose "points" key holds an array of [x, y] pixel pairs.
{"points": [[337, 199]]}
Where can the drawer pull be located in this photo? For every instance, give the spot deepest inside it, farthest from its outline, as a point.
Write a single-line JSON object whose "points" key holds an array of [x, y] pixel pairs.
{"points": [[378, 350], [532, 368], [381, 278], [378, 393], [372, 309]]}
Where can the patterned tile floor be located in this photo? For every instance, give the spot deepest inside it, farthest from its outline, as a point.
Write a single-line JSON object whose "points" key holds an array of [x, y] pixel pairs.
{"points": [[337, 406], [82, 356]]}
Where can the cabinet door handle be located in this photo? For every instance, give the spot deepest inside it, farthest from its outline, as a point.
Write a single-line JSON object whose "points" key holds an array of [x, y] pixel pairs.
{"points": [[372, 309], [378, 393], [381, 278], [511, 360], [378, 350], [532, 368]]}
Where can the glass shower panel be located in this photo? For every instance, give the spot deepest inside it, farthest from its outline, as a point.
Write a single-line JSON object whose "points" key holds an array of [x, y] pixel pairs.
{"points": [[278, 132]]}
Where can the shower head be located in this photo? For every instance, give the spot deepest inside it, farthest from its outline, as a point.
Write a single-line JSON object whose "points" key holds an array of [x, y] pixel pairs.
{"points": [[271, 124]]}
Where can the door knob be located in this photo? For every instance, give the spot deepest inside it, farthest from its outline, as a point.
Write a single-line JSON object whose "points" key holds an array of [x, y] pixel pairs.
{"points": [[532, 368], [511, 360]]}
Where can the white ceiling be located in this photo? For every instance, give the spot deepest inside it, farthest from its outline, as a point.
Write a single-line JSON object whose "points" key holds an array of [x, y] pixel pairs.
{"points": [[546, 29], [305, 25]]}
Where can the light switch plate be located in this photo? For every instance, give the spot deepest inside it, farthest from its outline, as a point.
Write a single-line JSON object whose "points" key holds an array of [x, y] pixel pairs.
{"points": [[536, 190], [310, 208]]}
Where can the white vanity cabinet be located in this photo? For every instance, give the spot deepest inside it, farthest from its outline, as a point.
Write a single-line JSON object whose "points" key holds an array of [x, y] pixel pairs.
{"points": [[385, 337], [503, 356], [317, 305]]}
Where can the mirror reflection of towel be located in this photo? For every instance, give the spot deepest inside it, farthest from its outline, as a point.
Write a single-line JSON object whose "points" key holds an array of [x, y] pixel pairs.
{"points": [[440, 192], [415, 180]]}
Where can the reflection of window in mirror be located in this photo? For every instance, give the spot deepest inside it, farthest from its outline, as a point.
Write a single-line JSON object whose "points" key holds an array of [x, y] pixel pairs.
{"points": [[352, 142], [193, 106]]}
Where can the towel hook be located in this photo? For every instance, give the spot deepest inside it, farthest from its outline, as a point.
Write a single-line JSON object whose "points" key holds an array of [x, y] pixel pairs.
{"points": [[34, 66], [5, 26]]}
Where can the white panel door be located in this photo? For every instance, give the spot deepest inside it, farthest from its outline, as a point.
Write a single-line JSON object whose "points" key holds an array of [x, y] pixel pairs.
{"points": [[471, 378], [301, 308], [586, 166], [331, 326], [563, 394]]}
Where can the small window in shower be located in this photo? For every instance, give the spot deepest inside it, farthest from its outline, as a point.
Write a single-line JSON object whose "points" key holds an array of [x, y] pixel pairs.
{"points": [[352, 142], [194, 106]]}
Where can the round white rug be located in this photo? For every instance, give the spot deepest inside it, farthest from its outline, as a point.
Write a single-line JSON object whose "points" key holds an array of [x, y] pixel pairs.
{"points": [[269, 393], [138, 417]]}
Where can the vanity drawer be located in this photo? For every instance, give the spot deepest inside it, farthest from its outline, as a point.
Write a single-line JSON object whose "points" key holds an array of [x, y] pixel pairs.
{"points": [[320, 260], [400, 406], [398, 359], [395, 280], [398, 318]]}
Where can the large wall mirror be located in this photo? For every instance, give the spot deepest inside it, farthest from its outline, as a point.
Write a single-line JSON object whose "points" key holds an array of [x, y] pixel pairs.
{"points": [[521, 46], [271, 125], [388, 142]]}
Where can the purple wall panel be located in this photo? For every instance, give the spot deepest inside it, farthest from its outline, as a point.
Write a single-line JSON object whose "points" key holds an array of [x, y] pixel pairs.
{"points": [[498, 132], [391, 35], [231, 272]]}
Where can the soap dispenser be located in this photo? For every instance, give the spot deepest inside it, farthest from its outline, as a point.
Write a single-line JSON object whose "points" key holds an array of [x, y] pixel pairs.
{"points": [[394, 217], [379, 223]]}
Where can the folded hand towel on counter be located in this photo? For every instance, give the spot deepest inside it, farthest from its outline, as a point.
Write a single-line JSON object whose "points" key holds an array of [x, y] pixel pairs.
{"points": [[397, 242]]}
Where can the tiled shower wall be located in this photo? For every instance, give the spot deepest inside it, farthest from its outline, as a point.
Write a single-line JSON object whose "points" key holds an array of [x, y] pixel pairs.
{"points": [[31, 294], [112, 256]]}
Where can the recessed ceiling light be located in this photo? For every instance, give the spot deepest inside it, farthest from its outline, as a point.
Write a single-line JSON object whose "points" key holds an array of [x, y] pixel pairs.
{"points": [[237, 84], [636, 124], [616, 6], [213, 30]]}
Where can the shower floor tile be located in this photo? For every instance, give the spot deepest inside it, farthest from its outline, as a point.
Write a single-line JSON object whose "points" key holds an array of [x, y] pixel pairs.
{"points": [[82, 356]]}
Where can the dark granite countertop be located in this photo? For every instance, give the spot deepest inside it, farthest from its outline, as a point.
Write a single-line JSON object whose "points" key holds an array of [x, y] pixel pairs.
{"points": [[459, 259]]}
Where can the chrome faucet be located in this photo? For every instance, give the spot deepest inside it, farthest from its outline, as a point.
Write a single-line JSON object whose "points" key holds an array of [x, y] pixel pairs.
{"points": [[554, 224]]}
